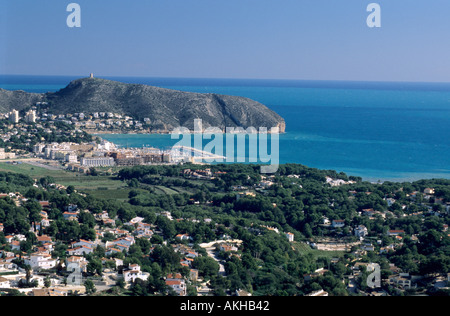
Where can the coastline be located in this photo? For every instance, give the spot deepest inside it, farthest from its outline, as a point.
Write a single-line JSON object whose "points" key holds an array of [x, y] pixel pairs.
{"points": [[376, 131], [161, 141], [164, 132], [100, 132]]}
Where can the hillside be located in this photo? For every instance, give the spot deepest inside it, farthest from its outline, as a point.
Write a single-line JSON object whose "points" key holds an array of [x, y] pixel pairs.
{"points": [[17, 100], [165, 108]]}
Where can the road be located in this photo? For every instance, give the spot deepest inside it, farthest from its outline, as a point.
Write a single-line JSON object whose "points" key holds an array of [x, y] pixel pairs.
{"points": [[211, 253]]}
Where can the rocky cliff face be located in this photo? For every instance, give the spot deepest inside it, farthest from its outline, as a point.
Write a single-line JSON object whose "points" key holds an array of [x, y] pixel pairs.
{"points": [[166, 109]]}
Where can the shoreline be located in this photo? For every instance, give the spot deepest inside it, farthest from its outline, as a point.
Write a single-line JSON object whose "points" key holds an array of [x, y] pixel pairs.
{"points": [[97, 132], [369, 176]]}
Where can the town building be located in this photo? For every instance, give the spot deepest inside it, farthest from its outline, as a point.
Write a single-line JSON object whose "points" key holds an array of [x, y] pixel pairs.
{"points": [[177, 283], [290, 236], [337, 223], [42, 261], [98, 162], [5, 155], [134, 272], [361, 231], [30, 116], [14, 116], [395, 232]]}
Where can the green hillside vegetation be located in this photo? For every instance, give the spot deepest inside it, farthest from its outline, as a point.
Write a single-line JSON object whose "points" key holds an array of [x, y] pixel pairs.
{"points": [[266, 263]]}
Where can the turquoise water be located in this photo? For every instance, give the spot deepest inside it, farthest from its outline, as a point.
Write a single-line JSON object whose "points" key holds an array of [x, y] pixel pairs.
{"points": [[379, 131]]}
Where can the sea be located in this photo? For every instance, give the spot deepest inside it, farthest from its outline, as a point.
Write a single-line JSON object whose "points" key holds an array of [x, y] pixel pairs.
{"points": [[380, 131]]}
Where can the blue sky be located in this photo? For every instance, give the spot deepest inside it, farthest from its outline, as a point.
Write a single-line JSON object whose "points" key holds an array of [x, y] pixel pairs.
{"points": [[270, 39]]}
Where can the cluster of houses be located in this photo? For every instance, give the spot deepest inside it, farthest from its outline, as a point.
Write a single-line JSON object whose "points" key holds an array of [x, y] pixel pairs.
{"points": [[100, 120], [94, 121], [82, 157], [205, 174], [42, 260], [395, 278], [77, 157], [337, 182], [41, 257]]}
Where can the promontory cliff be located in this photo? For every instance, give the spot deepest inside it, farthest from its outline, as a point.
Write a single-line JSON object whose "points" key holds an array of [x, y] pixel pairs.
{"points": [[164, 109]]}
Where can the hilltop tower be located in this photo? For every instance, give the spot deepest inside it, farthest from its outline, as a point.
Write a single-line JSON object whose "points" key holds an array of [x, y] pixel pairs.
{"points": [[91, 75]]}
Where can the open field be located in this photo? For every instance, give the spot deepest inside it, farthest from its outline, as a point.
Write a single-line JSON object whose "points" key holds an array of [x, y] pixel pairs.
{"points": [[164, 190], [101, 186], [119, 194], [34, 171], [98, 186], [305, 249]]}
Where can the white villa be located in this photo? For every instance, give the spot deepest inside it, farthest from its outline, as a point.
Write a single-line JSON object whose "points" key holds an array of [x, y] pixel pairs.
{"points": [[134, 273], [41, 261]]}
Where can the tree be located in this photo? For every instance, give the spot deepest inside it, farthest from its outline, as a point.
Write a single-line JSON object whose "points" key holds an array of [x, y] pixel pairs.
{"points": [[46, 181], [47, 282], [87, 233], [14, 293], [166, 226], [28, 273], [26, 246], [70, 189], [94, 266], [206, 266], [93, 172], [166, 257], [90, 287]]}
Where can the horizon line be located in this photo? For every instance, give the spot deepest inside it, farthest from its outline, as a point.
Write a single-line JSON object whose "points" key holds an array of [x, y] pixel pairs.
{"points": [[244, 79]]}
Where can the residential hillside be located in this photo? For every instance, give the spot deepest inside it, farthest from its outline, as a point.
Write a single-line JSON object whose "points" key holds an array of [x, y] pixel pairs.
{"points": [[221, 230]]}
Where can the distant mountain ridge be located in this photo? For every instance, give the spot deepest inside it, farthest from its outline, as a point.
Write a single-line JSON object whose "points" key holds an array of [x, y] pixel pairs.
{"points": [[166, 109]]}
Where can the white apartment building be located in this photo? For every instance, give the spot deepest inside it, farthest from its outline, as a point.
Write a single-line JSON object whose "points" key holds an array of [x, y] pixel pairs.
{"points": [[71, 158], [14, 116], [97, 162], [30, 116]]}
